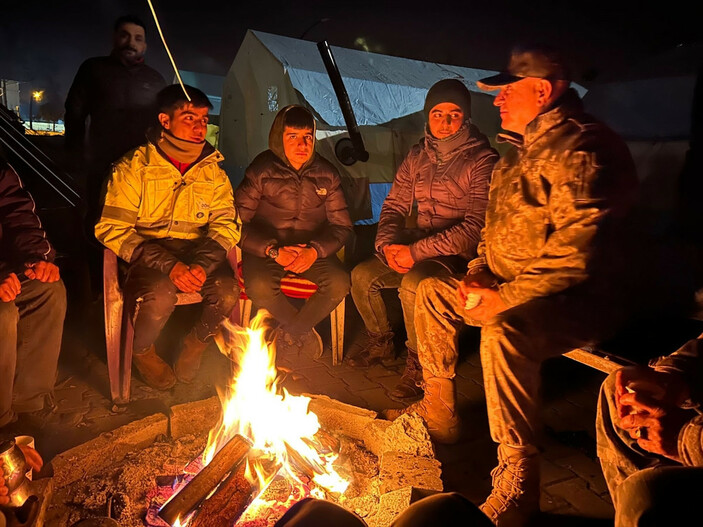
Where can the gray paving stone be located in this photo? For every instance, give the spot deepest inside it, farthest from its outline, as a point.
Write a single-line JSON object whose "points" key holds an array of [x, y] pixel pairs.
{"points": [[587, 469], [577, 493]]}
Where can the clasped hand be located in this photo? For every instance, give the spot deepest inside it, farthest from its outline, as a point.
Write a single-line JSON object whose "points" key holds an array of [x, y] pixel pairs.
{"points": [[189, 279], [296, 258], [42, 271], [399, 257], [648, 408]]}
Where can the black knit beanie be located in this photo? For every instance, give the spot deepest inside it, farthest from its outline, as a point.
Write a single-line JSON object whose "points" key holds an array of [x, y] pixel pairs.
{"points": [[448, 90]]}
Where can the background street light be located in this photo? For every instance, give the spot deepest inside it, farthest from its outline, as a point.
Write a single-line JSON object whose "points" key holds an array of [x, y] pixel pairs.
{"points": [[36, 96]]}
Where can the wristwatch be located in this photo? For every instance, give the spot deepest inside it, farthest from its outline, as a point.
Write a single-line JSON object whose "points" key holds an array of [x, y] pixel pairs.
{"points": [[273, 253]]}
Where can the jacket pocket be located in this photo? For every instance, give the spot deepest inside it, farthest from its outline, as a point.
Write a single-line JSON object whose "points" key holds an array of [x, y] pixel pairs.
{"points": [[158, 193], [202, 195]]}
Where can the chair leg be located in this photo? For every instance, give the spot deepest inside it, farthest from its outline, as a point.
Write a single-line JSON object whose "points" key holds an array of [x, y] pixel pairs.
{"points": [[126, 363], [337, 330], [113, 344]]}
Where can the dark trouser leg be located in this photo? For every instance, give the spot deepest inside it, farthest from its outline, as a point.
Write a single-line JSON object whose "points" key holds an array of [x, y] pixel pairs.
{"points": [[620, 455], [150, 297], [262, 283], [220, 294], [333, 284], [660, 496], [9, 318], [311, 512], [368, 280], [32, 328], [436, 267]]}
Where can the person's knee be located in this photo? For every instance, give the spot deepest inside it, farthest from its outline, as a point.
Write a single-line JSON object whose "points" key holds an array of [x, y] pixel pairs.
{"points": [[161, 296], [655, 496], [261, 286], [411, 280], [319, 513], [336, 285], [56, 294], [364, 276], [224, 292], [446, 509]]}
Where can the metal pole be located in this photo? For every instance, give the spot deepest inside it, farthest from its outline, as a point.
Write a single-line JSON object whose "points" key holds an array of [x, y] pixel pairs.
{"points": [[360, 152]]}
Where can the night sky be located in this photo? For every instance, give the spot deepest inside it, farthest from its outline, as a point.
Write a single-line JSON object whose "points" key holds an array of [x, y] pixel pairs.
{"points": [[43, 42]]}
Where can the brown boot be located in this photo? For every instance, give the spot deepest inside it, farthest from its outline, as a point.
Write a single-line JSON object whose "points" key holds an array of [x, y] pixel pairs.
{"points": [[155, 372], [409, 388], [188, 362], [379, 346], [437, 409], [515, 495]]}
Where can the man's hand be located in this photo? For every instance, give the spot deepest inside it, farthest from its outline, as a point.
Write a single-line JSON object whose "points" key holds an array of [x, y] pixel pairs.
{"points": [[43, 271], [4, 498], [648, 403], [490, 303], [10, 287], [306, 257], [185, 279], [392, 252], [32, 457], [287, 255]]}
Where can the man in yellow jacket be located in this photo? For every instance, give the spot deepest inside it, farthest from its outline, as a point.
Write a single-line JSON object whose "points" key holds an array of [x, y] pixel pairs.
{"points": [[169, 213]]}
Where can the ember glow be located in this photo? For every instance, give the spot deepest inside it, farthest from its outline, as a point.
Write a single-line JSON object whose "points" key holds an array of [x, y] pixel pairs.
{"points": [[280, 427]]}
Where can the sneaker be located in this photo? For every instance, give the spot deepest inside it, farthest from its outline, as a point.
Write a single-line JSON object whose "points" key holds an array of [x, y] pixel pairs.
{"points": [[515, 495], [310, 344], [379, 347]]}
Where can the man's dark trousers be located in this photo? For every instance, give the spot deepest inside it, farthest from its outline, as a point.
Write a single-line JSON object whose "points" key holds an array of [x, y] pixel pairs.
{"points": [[262, 283]]}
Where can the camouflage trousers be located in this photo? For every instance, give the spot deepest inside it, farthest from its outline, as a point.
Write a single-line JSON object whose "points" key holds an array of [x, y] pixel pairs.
{"points": [[646, 489], [513, 346]]}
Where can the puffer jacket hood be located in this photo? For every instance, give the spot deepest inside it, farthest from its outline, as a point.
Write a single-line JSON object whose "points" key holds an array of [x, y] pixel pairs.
{"points": [[276, 136]]}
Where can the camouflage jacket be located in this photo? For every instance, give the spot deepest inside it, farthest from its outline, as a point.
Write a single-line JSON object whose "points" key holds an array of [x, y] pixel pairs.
{"points": [[688, 361], [549, 199]]}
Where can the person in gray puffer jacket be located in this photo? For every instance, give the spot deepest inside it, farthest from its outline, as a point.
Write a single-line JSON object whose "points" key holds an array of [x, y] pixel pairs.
{"points": [[650, 438], [294, 220], [441, 187]]}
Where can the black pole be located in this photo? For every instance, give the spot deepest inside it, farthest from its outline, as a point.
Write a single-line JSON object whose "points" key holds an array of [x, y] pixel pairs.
{"points": [[360, 153]]}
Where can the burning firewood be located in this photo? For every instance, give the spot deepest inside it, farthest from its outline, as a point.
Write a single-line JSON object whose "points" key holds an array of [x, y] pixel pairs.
{"points": [[226, 460], [232, 497]]}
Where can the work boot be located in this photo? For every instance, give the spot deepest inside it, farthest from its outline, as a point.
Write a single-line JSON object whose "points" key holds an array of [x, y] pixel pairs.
{"points": [[515, 495], [155, 372], [437, 409], [188, 363], [409, 388], [379, 347]]}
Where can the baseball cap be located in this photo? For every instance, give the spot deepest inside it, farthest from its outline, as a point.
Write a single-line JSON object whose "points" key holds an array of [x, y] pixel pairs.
{"points": [[536, 60]]}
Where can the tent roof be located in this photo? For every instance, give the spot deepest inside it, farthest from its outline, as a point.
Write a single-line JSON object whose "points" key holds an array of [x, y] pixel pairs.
{"points": [[380, 87]]}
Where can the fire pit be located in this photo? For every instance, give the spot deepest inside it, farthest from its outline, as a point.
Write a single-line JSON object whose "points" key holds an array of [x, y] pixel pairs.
{"points": [[265, 450]]}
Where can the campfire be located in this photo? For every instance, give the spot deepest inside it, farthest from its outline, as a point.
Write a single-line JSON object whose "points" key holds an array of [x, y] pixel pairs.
{"points": [[245, 457], [264, 434]]}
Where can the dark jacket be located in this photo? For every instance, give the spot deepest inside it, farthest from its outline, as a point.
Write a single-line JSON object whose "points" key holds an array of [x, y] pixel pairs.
{"points": [[120, 101], [451, 195], [555, 203], [22, 238], [279, 205]]}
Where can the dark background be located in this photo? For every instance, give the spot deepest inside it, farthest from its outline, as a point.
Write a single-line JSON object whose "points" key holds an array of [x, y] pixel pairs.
{"points": [[43, 42]]}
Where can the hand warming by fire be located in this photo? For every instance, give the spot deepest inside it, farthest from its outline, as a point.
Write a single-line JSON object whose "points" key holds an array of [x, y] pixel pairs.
{"points": [[264, 432]]}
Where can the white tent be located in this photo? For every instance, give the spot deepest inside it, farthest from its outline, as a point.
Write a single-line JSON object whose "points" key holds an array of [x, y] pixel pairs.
{"points": [[387, 95]]}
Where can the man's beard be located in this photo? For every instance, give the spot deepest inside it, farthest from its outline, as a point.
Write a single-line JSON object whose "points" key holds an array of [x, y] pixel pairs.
{"points": [[131, 58]]}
